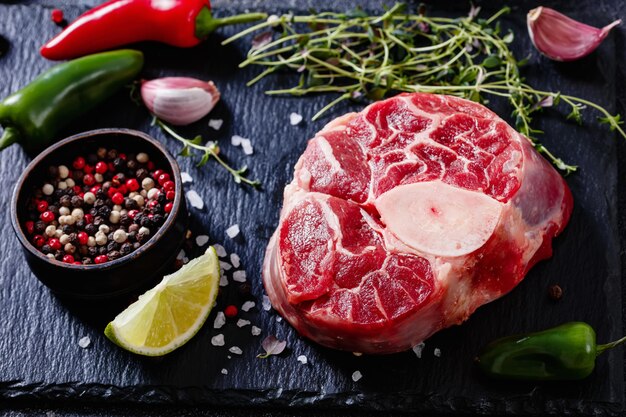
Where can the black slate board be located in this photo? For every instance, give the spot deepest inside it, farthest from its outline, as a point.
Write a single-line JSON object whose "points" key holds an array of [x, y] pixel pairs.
{"points": [[43, 364]]}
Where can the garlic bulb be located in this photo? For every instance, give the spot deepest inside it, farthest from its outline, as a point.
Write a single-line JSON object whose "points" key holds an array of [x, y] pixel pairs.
{"points": [[179, 100], [561, 38]]}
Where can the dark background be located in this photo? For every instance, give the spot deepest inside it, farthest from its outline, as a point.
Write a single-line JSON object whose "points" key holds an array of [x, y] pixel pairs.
{"points": [[44, 372]]}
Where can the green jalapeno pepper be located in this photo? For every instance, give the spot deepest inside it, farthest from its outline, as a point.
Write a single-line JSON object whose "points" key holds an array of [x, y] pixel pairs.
{"points": [[34, 115], [565, 352]]}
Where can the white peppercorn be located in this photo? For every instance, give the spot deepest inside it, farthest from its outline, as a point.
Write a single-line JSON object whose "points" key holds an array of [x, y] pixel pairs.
{"points": [[47, 189], [147, 183], [101, 238], [120, 236], [63, 171], [89, 197]]}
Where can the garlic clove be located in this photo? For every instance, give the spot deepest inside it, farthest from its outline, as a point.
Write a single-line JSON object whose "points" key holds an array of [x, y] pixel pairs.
{"points": [[562, 38], [179, 100]]}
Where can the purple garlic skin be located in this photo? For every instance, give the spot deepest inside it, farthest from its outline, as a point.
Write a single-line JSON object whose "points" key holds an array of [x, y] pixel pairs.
{"points": [[562, 38], [179, 100]]}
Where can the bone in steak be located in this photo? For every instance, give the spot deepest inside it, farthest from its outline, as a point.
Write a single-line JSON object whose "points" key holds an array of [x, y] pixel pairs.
{"points": [[406, 217]]}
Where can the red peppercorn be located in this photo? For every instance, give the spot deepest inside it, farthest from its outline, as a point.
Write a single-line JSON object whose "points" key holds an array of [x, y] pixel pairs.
{"points": [[230, 311], [77, 263], [132, 213], [111, 192], [88, 218], [42, 206], [132, 184], [150, 165], [122, 156], [152, 203], [118, 198], [47, 216], [156, 173], [168, 207], [168, 185], [111, 166], [39, 240], [88, 179], [57, 16], [88, 169], [54, 243], [95, 188], [101, 167], [100, 259], [163, 178], [79, 162], [83, 238], [77, 189], [69, 259], [30, 227], [170, 195], [123, 189]]}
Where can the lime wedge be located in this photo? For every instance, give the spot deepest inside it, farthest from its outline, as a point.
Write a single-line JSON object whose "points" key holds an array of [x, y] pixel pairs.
{"points": [[170, 314]]}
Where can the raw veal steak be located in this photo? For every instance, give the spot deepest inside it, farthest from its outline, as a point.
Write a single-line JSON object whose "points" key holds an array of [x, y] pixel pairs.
{"points": [[403, 219]]}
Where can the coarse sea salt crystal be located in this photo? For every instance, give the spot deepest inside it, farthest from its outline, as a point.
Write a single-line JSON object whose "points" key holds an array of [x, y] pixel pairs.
{"points": [[279, 319], [181, 254], [437, 352], [202, 240], [246, 145], [218, 340], [236, 140], [185, 177], [239, 276], [417, 349], [356, 375], [215, 123], [223, 281], [225, 266], [195, 200], [220, 320], [248, 305], [302, 359], [234, 259], [84, 342], [236, 350], [232, 231], [357, 353], [295, 118], [221, 252], [224, 371], [267, 305], [242, 323], [255, 331]]}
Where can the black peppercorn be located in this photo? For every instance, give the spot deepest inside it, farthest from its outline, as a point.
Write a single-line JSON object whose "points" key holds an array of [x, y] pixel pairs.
{"points": [[92, 159], [93, 212], [53, 172], [46, 249], [147, 222], [119, 164], [83, 250], [141, 174], [98, 203], [67, 229], [98, 220], [77, 201], [58, 193], [104, 211], [132, 165], [161, 198], [91, 229], [66, 201], [40, 226], [113, 255], [54, 209], [102, 250], [87, 261], [101, 194], [126, 249], [92, 251], [141, 238], [113, 246], [73, 238], [58, 255], [139, 217], [112, 154], [130, 204], [158, 219], [80, 224], [125, 220], [131, 236]]}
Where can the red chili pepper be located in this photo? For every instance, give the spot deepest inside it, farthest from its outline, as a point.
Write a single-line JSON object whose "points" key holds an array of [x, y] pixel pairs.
{"points": [[182, 23]]}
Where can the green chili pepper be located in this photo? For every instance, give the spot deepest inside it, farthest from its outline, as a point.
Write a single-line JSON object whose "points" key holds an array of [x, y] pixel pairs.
{"points": [[34, 115], [565, 352]]}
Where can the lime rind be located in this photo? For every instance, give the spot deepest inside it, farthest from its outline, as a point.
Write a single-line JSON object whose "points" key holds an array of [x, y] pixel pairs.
{"points": [[133, 325]]}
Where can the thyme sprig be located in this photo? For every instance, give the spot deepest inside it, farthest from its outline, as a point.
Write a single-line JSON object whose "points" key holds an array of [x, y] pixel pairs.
{"points": [[360, 55], [210, 150]]}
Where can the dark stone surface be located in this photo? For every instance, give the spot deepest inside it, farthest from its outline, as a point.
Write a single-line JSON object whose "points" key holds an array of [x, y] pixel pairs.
{"points": [[43, 369]]}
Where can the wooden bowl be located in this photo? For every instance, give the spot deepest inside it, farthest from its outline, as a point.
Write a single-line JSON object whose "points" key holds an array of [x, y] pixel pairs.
{"points": [[124, 275]]}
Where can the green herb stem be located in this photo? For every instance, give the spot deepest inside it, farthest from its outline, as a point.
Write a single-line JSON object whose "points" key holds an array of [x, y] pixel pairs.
{"points": [[209, 151]]}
